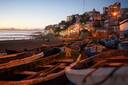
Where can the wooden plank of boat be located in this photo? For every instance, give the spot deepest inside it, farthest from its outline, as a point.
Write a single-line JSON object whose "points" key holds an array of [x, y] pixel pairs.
{"points": [[65, 61], [47, 66], [10, 55], [26, 73], [19, 56], [50, 71], [52, 66], [19, 62], [43, 72], [118, 58]]}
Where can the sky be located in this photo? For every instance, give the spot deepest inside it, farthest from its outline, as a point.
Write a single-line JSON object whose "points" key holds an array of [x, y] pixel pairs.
{"points": [[29, 14]]}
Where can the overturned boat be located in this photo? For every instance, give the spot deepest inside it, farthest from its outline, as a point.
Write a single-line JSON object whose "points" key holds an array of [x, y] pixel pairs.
{"points": [[107, 68]]}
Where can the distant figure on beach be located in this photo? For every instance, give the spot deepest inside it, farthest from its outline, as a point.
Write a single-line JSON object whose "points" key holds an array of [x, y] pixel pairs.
{"points": [[68, 51], [3, 52]]}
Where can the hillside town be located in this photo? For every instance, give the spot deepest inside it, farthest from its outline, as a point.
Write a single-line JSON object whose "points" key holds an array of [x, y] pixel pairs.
{"points": [[111, 21]]}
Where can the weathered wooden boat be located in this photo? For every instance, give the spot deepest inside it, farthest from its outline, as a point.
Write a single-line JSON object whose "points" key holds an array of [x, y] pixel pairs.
{"points": [[9, 55], [50, 74], [107, 68], [18, 60], [13, 61]]}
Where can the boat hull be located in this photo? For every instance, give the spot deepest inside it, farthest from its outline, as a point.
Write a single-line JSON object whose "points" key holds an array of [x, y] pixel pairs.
{"points": [[120, 77], [100, 76]]}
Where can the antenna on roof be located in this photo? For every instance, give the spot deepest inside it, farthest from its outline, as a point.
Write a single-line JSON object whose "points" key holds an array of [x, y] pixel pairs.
{"points": [[83, 5]]}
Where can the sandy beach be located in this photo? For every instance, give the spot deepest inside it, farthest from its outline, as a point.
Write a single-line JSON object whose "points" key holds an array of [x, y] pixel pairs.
{"points": [[25, 44], [20, 44]]}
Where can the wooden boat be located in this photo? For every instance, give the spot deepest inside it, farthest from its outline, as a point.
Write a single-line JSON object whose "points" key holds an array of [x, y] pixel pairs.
{"points": [[107, 68], [20, 59], [50, 74]]}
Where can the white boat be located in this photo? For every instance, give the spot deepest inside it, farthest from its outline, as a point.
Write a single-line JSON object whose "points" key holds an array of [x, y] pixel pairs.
{"points": [[108, 68]]}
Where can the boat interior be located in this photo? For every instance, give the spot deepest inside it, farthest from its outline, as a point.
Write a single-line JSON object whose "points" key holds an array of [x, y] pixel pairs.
{"points": [[30, 71]]}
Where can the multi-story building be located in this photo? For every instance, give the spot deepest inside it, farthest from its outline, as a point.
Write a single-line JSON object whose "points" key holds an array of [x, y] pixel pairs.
{"points": [[114, 10], [112, 14], [105, 10], [94, 15], [73, 18], [95, 19], [69, 18]]}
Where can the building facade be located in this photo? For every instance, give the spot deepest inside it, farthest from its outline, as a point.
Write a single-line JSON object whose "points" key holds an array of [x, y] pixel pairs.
{"points": [[112, 15]]}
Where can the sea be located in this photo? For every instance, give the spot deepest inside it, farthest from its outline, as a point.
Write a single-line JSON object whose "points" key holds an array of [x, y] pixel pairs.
{"points": [[16, 34]]}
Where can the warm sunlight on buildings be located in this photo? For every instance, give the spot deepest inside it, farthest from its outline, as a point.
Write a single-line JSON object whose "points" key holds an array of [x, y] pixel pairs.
{"points": [[124, 26], [115, 14]]}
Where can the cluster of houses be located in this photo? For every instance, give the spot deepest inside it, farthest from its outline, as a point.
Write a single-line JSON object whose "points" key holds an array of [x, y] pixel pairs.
{"points": [[111, 21]]}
